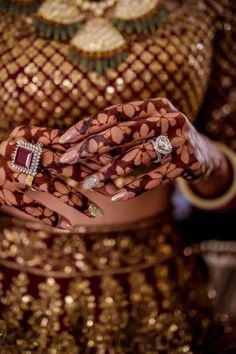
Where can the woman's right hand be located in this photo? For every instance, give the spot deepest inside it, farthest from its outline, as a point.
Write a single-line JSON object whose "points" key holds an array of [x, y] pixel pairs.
{"points": [[50, 178]]}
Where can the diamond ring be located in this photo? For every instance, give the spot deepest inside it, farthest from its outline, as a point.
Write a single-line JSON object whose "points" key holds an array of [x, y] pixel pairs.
{"points": [[162, 146], [26, 159]]}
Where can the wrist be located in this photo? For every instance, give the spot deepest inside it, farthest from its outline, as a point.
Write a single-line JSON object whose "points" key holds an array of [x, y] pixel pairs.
{"points": [[219, 202], [218, 181]]}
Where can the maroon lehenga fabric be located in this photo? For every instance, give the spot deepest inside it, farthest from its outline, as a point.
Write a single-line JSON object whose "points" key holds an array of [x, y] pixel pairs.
{"points": [[130, 290]]}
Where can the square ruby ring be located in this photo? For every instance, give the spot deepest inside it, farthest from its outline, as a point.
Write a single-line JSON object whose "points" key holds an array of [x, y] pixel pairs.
{"points": [[26, 159]]}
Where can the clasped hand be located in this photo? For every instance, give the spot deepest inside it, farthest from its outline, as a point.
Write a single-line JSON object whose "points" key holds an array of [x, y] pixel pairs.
{"points": [[124, 131], [110, 152]]}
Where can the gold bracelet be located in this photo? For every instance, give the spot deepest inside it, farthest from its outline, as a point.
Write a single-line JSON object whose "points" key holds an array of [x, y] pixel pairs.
{"points": [[215, 203]]}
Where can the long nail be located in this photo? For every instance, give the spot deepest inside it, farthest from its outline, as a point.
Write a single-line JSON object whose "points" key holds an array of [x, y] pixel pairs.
{"points": [[91, 182], [95, 211], [67, 137], [123, 195], [65, 224], [68, 156]]}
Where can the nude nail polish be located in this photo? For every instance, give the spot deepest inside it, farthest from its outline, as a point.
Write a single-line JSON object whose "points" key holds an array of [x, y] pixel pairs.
{"points": [[91, 182], [67, 137], [65, 224], [120, 196], [68, 156]]}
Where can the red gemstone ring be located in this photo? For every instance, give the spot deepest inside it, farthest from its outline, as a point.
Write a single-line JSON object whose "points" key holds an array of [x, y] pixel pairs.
{"points": [[26, 159]]}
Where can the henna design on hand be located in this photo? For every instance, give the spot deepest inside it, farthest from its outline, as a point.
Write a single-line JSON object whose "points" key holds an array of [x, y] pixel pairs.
{"points": [[50, 179], [129, 128]]}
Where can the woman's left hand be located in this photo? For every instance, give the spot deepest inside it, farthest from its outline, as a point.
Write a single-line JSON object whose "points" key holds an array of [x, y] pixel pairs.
{"points": [[129, 130], [51, 177]]}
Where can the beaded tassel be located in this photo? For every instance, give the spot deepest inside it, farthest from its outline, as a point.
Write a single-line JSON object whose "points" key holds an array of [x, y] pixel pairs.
{"points": [[134, 16], [145, 26]]}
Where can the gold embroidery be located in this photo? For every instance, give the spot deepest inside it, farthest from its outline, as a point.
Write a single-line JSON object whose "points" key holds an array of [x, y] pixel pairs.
{"points": [[70, 255], [142, 312]]}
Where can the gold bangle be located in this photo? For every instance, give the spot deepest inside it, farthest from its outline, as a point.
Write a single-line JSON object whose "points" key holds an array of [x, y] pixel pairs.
{"points": [[216, 203]]}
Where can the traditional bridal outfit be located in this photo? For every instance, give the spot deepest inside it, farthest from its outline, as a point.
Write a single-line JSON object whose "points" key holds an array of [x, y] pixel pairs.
{"points": [[122, 282]]}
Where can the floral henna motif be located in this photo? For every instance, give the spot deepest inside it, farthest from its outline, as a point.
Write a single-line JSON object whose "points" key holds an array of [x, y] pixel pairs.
{"points": [[158, 176], [45, 136], [50, 179], [109, 117], [129, 128], [51, 156], [151, 118], [24, 203], [127, 162]]}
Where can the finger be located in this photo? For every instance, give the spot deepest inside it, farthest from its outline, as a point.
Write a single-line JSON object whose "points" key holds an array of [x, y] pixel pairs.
{"points": [[78, 172], [96, 162], [47, 182], [100, 160], [22, 202], [45, 136], [161, 175], [129, 161], [50, 161], [114, 137], [113, 115]]}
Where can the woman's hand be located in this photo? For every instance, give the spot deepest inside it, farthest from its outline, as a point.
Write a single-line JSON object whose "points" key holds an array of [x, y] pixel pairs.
{"points": [[49, 179], [126, 130]]}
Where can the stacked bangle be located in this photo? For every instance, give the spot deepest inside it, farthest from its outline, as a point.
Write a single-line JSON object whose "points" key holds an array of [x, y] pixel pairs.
{"points": [[218, 202]]}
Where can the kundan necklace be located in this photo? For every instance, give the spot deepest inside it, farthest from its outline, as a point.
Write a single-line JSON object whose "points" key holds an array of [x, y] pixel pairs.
{"points": [[96, 30]]}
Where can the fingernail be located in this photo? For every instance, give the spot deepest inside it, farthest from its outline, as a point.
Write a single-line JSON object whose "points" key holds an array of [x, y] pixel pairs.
{"points": [[120, 196], [65, 224], [95, 211], [91, 182], [66, 137], [68, 156]]}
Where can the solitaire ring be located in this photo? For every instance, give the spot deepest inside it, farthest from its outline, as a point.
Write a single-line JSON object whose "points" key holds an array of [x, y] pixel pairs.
{"points": [[162, 146]]}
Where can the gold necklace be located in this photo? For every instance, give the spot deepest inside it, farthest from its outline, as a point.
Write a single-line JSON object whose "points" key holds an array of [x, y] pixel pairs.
{"points": [[96, 42]]}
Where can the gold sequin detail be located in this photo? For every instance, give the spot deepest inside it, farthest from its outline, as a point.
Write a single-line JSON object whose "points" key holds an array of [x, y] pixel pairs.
{"points": [[70, 255], [160, 308]]}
